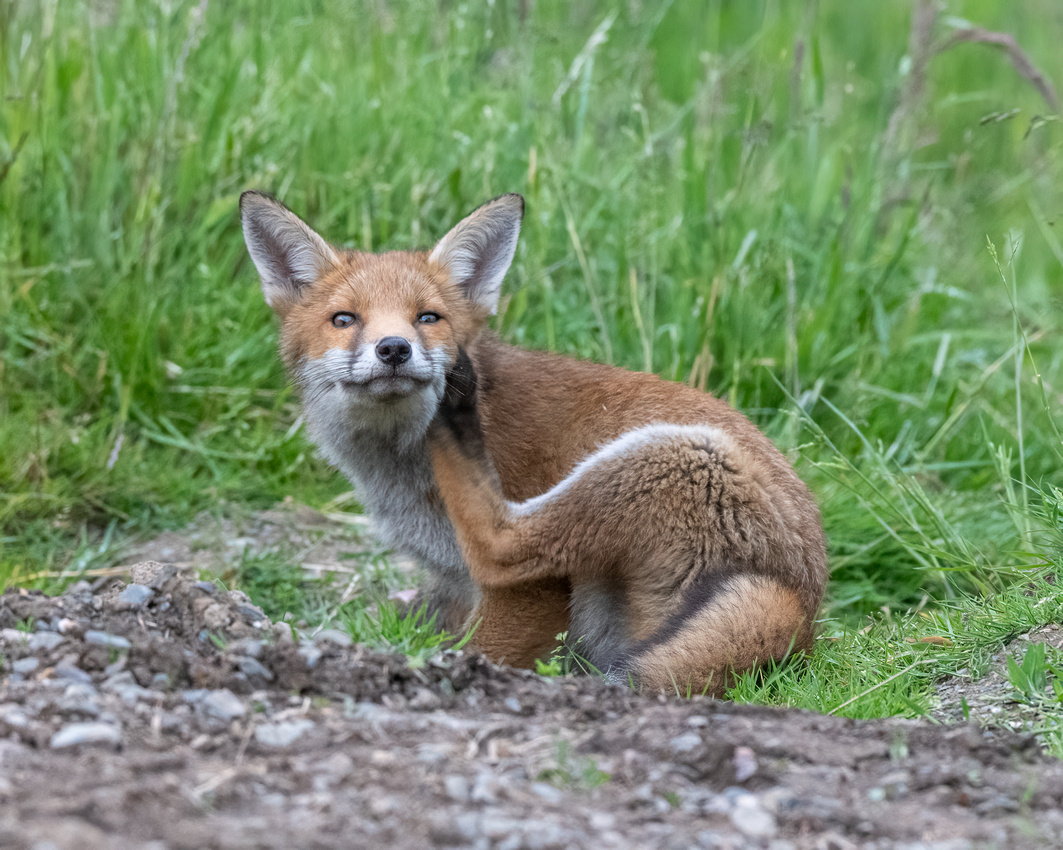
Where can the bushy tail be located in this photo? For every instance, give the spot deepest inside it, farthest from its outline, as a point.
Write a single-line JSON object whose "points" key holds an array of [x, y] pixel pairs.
{"points": [[749, 621]]}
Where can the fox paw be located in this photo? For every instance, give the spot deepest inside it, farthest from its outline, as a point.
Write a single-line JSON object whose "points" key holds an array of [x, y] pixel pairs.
{"points": [[460, 392]]}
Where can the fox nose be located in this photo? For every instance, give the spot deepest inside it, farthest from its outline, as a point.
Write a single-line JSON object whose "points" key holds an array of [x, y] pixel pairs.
{"points": [[393, 350]]}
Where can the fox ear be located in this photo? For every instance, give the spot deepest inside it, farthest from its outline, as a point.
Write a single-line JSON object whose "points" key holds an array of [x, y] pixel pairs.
{"points": [[287, 253], [478, 250]]}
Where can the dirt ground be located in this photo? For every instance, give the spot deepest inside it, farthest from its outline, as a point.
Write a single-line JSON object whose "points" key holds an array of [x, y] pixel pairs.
{"points": [[152, 710]]}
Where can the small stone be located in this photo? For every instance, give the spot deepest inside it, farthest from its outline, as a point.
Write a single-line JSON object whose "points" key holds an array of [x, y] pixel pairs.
{"points": [[158, 577], [221, 705], [548, 792], [254, 669], [685, 743], [75, 734], [895, 784], [70, 627], [216, 616], [498, 826], [13, 717], [126, 688], [425, 700], [485, 789], [208, 587], [246, 646], [79, 698], [282, 634], [44, 641], [338, 765], [745, 763], [513, 704], [72, 673], [252, 613], [134, 596], [194, 696], [26, 665], [282, 734], [457, 788], [339, 638], [750, 818], [311, 654], [14, 636], [97, 638]]}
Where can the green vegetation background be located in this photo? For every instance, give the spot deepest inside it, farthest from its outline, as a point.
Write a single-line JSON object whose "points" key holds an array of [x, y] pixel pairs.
{"points": [[791, 205]]}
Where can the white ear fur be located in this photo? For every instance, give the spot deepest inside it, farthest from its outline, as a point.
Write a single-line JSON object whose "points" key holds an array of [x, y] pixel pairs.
{"points": [[477, 252], [286, 252]]}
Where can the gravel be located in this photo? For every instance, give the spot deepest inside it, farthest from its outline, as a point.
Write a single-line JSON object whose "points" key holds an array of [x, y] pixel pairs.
{"points": [[178, 716]]}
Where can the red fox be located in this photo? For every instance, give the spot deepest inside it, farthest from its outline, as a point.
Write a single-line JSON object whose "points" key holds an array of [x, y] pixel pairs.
{"points": [[651, 521]]}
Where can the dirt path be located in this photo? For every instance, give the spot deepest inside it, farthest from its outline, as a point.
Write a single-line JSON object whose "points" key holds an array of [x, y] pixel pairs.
{"points": [[171, 714]]}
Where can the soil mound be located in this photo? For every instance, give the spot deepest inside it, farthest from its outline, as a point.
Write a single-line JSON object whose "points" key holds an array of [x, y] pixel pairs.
{"points": [[169, 713]]}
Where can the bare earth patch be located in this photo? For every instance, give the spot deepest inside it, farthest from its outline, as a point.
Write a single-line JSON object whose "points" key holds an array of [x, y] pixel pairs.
{"points": [[169, 713]]}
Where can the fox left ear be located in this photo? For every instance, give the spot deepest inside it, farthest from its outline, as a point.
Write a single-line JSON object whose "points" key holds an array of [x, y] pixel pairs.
{"points": [[477, 252]]}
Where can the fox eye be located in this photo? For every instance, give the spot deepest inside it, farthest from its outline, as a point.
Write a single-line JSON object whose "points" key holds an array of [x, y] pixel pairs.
{"points": [[343, 320], [428, 318]]}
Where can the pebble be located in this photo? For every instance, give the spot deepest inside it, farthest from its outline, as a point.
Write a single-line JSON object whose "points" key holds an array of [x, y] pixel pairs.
{"points": [[339, 638], [207, 587], [216, 616], [457, 788], [69, 627], [221, 705], [251, 613], [246, 646], [125, 687], [311, 654], [71, 673], [97, 638], [74, 734], [254, 669], [282, 734], [26, 665], [751, 819], [79, 698], [44, 641], [12, 716], [194, 695], [134, 596], [548, 792], [745, 763], [685, 743]]}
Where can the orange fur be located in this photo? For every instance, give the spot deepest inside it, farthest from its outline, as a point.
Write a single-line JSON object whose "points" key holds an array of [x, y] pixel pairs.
{"points": [[548, 493]]}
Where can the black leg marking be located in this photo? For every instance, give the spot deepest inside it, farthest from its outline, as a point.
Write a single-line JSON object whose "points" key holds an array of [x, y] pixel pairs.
{"points": [[458, 412]]}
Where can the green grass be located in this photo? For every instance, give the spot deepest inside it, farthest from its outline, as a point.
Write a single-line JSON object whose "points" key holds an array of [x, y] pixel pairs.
{"points": [[723, 193]]}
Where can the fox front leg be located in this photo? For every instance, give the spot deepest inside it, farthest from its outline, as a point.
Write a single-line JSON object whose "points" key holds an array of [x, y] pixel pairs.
{"points": [[495, 547]]}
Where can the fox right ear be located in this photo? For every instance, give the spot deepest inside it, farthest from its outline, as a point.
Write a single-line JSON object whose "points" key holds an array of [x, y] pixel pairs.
{"points": [[286, 252]]}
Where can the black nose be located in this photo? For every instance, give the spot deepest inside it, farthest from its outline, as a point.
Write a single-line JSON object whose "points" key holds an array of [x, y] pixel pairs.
{"points": [[393, 350]]}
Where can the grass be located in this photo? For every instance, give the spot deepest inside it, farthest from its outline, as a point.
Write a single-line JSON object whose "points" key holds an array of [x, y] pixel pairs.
{"points": [[773, 202]]}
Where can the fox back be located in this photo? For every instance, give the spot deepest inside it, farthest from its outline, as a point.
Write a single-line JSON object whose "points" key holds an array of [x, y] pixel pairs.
{"points": [[557, 457]]}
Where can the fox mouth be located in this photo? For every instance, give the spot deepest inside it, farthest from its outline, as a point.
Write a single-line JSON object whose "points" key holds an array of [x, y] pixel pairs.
{"points": [[384, 386]]}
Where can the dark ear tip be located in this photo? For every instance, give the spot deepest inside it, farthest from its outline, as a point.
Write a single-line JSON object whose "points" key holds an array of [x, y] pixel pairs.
{"points": [[252, 196], [510, 199]]}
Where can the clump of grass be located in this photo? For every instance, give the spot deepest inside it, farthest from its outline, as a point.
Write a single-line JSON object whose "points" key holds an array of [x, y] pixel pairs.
{"points": [[572, 772], [386, 626]]}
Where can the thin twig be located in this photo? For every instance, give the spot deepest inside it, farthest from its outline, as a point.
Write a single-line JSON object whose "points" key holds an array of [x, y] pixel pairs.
{"points": [[1019, 59]]}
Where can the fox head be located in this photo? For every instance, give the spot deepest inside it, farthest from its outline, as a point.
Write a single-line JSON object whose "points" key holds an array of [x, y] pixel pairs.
{"points": [[369, 338]]}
